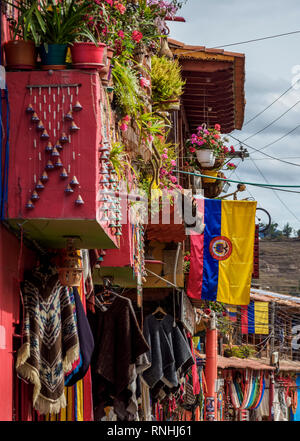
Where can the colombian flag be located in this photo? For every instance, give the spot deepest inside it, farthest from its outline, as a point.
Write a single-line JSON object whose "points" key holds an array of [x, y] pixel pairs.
{"points": [[255, 318], [221, 260], [232, 313]]}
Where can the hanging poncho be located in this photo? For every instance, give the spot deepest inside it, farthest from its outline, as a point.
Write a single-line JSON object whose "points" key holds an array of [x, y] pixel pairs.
{"points": [[118, 344], [50, 344], [169, 351]]}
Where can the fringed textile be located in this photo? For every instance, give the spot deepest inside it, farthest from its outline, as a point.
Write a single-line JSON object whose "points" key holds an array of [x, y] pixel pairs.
{"points": [[79, 404], [50, 342]]}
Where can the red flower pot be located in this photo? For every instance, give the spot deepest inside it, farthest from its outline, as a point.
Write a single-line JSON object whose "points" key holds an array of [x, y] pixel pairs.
{"points": [[86, 55]]}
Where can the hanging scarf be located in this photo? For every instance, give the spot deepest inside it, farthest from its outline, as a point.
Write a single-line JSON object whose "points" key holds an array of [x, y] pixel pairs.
{"points": [[253, 392], [86, 342], [262, 391], [196, 382], [50, 342]]}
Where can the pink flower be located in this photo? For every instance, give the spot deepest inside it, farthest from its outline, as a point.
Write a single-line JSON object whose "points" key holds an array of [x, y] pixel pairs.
{"points": [[126, 118], [192, 149], [232, 149], [121, 35], [136, 36], [165, 150], [144, 82], [173, 179], [217, 127], [121, 8], [123, 127], [164, 156], [173, 162], [150, 139]]}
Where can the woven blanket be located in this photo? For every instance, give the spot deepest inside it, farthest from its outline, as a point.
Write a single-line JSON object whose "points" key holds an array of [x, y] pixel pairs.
{"points": [[50, 343]]}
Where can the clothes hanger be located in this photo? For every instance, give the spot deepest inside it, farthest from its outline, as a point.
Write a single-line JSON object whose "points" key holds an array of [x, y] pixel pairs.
{"points": [[161, 310], [106, 296]]}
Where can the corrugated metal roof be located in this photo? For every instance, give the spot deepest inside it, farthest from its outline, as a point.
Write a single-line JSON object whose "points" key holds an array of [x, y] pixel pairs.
{"points": [[268, 296]]}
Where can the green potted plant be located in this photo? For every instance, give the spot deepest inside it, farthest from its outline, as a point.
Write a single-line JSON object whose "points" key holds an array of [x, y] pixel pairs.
{"points": [[62, 24], [167, 83], [20, 50]]}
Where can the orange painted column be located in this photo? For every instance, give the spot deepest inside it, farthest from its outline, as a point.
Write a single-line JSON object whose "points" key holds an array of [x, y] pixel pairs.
{"points": [[211, 372]]}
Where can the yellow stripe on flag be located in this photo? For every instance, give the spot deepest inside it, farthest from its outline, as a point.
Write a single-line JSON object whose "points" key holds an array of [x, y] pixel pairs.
{"points": [[238, 225], [261, 314]]}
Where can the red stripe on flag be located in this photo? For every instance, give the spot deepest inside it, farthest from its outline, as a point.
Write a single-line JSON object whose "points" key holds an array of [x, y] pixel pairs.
{"points": [[196, 260], [244, 319]]}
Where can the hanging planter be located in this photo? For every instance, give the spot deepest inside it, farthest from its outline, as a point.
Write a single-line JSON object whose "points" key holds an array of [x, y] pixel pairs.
{"points": [[217, 163], [86, 55], [20, 54], [105, 72], [213, 173], [206, 157], [213, 189], [53, 56], [166, 105]]}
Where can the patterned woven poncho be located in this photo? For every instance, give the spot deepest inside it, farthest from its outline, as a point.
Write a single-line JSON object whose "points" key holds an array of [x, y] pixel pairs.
{"points": [[50, 344]]}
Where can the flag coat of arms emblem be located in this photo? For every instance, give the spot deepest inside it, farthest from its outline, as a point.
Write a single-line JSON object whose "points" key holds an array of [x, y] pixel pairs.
{"points": [[221, 261]]}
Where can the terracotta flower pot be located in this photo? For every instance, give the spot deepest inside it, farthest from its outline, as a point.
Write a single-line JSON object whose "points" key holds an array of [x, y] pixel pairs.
{"points": [[86, 55], [20, 54], [105, 71]]}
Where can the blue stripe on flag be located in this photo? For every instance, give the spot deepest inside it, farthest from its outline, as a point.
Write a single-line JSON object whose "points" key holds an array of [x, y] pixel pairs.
{"points": [[251, 318], [212, 221]]}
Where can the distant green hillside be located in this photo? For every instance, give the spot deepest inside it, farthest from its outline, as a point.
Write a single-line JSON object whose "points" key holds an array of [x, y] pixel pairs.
{"points": [[280, 266]]}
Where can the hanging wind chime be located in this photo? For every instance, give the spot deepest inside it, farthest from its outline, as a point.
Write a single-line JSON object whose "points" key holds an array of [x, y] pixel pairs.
{"points": [[108, 183], [51, 110]]}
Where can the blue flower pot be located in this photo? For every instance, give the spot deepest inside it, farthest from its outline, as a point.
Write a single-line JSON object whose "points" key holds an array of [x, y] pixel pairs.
{"points": [[53, 56]]}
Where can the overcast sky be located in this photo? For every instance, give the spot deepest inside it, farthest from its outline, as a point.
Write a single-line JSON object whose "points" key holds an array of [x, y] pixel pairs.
{"points": [[269, 73]]}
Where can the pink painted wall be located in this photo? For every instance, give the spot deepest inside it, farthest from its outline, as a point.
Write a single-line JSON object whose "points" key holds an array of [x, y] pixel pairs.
{"points": [[9, 313], [28, 157], [122, 256]]}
